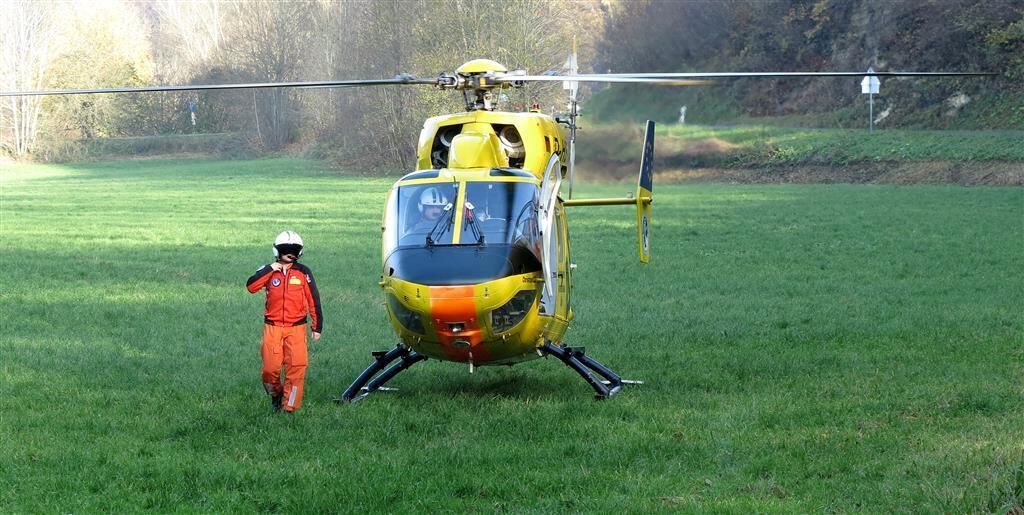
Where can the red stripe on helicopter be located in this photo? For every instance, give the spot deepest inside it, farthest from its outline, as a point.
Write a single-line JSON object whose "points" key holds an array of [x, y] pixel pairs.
{"points": [[453, 310]]}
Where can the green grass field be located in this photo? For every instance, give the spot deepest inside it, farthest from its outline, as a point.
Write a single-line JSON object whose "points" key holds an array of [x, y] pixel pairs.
{"points": [[822, 348]]}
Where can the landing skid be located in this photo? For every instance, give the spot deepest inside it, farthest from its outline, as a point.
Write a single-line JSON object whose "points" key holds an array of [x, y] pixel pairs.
{"points": [[576, 359], [363, 385]]}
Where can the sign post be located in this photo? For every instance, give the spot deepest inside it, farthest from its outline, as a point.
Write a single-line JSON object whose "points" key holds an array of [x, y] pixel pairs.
{"points": [[869, 86]]}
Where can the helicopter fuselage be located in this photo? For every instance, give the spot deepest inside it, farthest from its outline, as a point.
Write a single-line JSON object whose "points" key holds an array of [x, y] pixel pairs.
{"points": [[468, 284]]}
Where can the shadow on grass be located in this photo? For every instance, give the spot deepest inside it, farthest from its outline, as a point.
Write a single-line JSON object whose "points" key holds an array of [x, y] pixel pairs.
{"points": [[517, 383]]}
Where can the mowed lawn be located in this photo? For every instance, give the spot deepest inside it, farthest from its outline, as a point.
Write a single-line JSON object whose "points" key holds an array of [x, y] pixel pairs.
{"points": [[805, 348]]}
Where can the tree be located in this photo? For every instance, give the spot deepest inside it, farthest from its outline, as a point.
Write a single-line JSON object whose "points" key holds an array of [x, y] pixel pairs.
{"points": [[269, 42], [103, 44], [26, 35], [187, 36]]}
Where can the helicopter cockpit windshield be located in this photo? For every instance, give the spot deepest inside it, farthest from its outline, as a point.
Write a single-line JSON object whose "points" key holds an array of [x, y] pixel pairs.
{"points": [[499, 212], [461, 232]]}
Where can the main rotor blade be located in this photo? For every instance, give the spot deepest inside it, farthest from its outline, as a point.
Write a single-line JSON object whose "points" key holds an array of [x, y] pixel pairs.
{"points": [[206, 87], [619, 77], [593, 78]]}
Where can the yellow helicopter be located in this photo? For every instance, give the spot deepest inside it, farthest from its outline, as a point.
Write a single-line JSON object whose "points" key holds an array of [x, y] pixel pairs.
{"points": [[475, 250], [475, 247]]}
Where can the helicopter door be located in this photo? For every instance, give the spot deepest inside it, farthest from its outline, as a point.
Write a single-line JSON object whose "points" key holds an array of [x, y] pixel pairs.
{"points": [[548, 235]]}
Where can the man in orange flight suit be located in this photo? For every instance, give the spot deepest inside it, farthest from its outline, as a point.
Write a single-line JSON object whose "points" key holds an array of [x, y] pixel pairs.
{"points": [[291, 294]]}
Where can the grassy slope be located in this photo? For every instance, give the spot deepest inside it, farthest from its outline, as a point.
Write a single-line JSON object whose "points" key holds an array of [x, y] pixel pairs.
{"points": [[805, 348]]}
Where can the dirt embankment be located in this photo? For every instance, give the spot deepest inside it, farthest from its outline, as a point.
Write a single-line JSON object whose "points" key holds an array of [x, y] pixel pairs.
{"points": [[975, 173]]}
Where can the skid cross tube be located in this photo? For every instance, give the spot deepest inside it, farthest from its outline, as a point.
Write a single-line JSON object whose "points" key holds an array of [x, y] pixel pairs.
{"points": [[576, 359], [409, 359], [381, 360]]}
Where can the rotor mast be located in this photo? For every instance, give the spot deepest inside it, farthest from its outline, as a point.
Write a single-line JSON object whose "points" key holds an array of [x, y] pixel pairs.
{"points": [[573, 88]]}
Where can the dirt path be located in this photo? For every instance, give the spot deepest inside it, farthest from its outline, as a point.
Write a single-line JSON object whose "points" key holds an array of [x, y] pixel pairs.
{"points": [[973, 173]]}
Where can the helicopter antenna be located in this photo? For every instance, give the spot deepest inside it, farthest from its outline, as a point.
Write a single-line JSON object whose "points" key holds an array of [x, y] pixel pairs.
{"points": [[573, 87]]}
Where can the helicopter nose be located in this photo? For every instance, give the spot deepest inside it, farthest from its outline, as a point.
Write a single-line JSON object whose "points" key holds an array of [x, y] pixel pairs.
{"points": [[453, 310]]}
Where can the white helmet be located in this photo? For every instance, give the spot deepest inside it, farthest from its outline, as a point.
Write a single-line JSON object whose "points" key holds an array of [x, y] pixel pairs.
{"points": [[432, 197], [288, 242]]}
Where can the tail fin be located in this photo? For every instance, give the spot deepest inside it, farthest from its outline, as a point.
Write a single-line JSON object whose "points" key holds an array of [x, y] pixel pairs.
{"points": [[642, 199], [644, 188]]}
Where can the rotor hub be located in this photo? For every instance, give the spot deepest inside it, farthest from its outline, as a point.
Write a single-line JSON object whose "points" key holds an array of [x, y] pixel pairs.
{"points": [[481, 77]]}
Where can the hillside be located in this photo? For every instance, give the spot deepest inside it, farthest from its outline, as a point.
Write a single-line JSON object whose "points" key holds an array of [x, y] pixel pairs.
{"points": [[823, 35]]}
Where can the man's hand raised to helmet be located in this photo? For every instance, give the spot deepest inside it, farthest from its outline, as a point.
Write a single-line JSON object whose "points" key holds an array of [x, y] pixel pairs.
{"points": [[277, 266]]}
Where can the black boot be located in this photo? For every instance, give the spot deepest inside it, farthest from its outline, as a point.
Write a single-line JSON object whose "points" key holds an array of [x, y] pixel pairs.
{"points": [[275, 402]]}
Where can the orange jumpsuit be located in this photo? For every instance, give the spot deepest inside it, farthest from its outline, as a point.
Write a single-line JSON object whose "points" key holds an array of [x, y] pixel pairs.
{"points": [[291, 294]]}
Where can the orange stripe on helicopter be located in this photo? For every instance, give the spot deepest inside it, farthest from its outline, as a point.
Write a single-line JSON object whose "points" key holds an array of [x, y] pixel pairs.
{"points": [[457, 305]]}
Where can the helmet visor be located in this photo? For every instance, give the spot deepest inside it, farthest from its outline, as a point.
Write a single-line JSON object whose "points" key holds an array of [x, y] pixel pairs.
{"points": [[289, 248]]}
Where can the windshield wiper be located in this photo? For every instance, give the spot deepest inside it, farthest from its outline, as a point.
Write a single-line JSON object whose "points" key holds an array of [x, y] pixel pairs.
{"points": [[473, 224], [448, 217]]}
